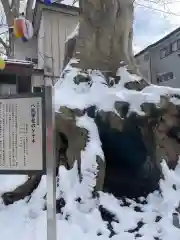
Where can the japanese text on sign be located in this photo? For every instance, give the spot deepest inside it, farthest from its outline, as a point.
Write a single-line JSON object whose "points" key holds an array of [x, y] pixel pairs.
{"points": [[21, 134]]}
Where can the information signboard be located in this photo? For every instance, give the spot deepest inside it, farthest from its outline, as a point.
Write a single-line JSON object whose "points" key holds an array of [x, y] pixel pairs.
{"points": [[27, 142], [21, 134]]}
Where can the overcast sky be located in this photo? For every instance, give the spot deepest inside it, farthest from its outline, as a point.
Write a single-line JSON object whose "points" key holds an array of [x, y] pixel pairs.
{"points": [[151, 25]]}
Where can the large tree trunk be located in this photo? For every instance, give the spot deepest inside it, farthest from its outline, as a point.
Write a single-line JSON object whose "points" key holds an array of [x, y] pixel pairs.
{"points": [[105, 35], [104, 40]]}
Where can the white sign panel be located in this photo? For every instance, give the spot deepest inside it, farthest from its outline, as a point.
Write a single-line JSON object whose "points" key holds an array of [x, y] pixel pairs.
{"points": [[21, 134]]}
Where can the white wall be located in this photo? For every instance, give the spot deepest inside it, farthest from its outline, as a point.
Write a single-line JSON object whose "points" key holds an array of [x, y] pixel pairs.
{"points": [[39, 80], [6, 89], [49, 46], [54, 29], [41, 44], [25, 49], [144, 65]]}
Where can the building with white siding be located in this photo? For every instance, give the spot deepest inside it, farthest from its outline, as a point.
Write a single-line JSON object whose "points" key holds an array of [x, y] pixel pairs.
{"points": [[52, 25]]}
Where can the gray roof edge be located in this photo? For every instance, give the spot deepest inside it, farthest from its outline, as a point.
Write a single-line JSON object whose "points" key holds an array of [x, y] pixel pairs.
{"points": [[37, 10], [59, 5], [159, 41]]}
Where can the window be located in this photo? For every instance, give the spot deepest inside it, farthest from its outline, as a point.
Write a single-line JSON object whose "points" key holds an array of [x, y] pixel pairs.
{"points": [[163, 53], [178, 44], [169, 50], [34, 60], [174, 46], [165, 77], [23, 84], [168, 76], [37, 89]]}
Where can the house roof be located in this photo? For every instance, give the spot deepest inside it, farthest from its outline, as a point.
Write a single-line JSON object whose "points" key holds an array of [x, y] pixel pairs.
{"points": [[58, 4], [18, 67], [19, 62], [159, 41]]}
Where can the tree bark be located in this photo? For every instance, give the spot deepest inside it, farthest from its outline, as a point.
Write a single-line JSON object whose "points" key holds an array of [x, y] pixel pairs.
{"points": [[105, 35], [105, 39], [7, 11], [29, 12], [5, 45], [22, 191], [158, 130]]}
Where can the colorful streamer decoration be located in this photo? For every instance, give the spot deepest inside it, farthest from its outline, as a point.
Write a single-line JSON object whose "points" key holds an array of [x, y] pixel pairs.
{"points": [[23, 29], [2, 64], [18, 27]]}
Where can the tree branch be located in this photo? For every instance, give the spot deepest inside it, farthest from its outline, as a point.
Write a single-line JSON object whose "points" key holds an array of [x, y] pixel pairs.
{"points": [[2, 42], [3, 32], [7, 11], [29, 12], [6, 6], [15, 5]]}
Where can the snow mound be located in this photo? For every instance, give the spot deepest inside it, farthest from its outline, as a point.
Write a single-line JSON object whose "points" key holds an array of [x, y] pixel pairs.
{"points": [[148, 219], [97, 92], [26, 221]]}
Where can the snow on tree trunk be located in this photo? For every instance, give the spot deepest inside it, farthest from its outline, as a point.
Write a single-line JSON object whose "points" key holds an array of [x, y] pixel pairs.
{"points": [[104, 40]]}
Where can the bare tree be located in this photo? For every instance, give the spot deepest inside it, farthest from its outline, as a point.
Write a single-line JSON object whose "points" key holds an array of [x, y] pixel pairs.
{"points": [[12, 11], [107, 40]]}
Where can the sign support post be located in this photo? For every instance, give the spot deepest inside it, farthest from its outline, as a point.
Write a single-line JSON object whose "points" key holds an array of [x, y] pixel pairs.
{"points": [[50, 163], [27, 142]]}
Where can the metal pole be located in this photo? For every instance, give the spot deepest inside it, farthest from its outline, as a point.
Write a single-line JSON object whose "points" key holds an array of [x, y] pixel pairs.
{"points": [[50, 164]]}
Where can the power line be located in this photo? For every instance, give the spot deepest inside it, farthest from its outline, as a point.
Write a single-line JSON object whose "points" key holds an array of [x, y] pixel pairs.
{"points": [[162, 2], [159, 10]]}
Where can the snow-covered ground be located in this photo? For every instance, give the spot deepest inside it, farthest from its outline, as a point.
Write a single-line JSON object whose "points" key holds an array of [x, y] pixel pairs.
{"points": [[27, 221]]}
